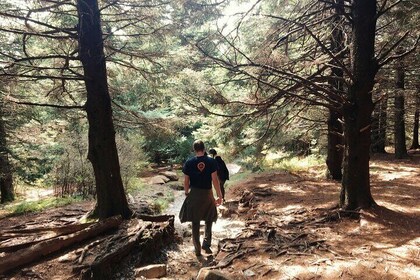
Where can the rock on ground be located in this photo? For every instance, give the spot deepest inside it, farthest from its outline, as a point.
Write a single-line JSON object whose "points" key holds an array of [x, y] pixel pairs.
{"points": [[151, 271], [159, 180], [207, 274], [170, 174]]}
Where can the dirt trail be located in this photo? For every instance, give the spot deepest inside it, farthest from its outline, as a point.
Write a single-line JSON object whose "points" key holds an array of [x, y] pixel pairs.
{"points": [[181, 260]]}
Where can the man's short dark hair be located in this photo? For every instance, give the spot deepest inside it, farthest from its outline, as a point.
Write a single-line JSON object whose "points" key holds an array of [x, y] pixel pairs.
{"points": [[212, 152], [198, 146]]}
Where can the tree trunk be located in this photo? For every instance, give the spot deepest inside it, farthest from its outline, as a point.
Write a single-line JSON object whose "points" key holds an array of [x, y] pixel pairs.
{"points": [[399, 124], [379, 127], [6, 178], [357, 111], [111, 199], [415, 143], [335, 149], [335, 129]]}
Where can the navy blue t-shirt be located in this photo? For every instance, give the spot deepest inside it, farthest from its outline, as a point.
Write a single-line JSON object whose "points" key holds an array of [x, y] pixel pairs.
{"points": [[199, 169]]}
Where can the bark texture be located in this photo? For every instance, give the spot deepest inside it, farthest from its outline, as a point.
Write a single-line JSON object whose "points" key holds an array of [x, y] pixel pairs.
{"points": [[399, 110], [111, 199], [379, 120], [358, 110], [6, 178], [335, 129], [415, 143], [335, 146]]}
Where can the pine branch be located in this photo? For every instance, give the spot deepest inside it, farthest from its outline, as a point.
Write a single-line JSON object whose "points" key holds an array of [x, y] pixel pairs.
{"points": [[44, 104]]}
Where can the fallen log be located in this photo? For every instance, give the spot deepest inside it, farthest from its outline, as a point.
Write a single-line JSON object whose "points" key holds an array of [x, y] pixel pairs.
{"points": [[156, 219], [7, 236], [44, 248], [60, 229], [26, 233]]}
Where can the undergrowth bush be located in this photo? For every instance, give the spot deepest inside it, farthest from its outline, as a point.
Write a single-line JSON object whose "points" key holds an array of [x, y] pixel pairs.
{"points": [[296, 163], [73, 172], [162, 203], [42, 204]]}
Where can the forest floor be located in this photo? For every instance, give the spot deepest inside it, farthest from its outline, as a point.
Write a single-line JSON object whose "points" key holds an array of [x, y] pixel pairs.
{"points": [[291, 229], [282, 225]]}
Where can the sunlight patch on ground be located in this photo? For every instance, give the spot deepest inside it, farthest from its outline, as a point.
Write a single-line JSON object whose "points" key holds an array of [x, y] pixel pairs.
{"points": [[227, 227], [400, 207], [316, 267], [410, 252], [307, 272], [291, 208], [393, 172], [380, 246], [395, 175], [288, 188]]}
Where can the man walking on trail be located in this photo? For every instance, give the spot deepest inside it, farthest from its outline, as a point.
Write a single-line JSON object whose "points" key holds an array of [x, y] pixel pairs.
{"points": [[200, 205], [222, 171]]}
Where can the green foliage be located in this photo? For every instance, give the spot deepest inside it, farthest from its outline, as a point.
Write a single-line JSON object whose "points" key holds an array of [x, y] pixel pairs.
{"points": [[238, 177], [296, 163], [169, 145], [132, 160], [277, 160], [39, 205], [134, 185], [72, 173], [34, 147], [160, 204]]}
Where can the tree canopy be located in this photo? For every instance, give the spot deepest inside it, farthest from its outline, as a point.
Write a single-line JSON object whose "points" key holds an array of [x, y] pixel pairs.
{"points": [[248, 77]]}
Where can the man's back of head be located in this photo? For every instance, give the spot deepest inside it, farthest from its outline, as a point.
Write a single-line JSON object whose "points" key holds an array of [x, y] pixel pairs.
{"points": [[198, 146]]}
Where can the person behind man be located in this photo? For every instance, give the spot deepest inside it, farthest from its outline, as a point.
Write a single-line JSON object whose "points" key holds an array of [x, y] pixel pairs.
{"points": [[222, 171], [200, 205]]}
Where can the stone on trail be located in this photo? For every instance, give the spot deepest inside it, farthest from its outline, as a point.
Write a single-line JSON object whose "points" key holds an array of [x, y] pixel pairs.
{"points": [[170, 174], [159, 180], [249, 273], [207, 274], [176, 186], [151, 271]]}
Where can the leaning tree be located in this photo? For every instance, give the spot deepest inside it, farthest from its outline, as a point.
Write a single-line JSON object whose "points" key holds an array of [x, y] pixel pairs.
{"points": [[66, 46]]}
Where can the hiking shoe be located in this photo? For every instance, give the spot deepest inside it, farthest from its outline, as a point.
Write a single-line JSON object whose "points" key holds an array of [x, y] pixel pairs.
{"points": [[207, 249]]}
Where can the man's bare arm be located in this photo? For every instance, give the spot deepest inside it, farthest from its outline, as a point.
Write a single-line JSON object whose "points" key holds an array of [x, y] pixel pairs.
{"points": [[216, 185], [186, 184]]}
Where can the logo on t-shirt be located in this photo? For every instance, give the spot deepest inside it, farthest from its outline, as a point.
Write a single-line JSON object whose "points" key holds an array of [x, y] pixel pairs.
{"points": [[201, 166]]}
